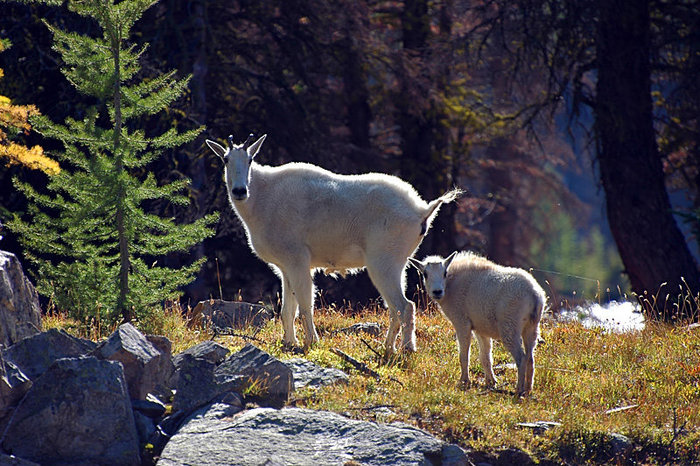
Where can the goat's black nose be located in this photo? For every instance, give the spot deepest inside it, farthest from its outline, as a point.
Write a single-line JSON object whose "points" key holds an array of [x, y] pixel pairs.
{"points": [[437, 294], [239, 193]]}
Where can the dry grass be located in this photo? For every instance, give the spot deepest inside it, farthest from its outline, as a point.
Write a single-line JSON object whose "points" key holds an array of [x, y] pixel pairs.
{"points": [[581, 376]]}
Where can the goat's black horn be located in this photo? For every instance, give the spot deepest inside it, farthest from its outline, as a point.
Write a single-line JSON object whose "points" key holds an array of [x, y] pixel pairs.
{"points": [[230, 141], [248, 141]]}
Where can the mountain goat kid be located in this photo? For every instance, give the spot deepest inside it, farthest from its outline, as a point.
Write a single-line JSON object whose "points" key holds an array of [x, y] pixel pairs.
{"points": [[493, 301], [300, 218]]}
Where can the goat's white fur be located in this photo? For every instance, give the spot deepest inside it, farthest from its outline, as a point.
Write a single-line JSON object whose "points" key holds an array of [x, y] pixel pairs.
{"points": [[477, 295], [300, 218]]}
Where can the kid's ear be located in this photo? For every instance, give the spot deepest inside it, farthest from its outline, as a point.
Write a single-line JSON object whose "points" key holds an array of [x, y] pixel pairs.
{"points": [[417, 264], [255, 147], [449, 258], [217, 148]]}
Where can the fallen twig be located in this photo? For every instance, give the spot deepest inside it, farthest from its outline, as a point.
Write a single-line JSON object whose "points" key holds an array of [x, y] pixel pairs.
{"points": [[231, 333], [621, 408], [371, 408], [371, 349], [360, 366]]}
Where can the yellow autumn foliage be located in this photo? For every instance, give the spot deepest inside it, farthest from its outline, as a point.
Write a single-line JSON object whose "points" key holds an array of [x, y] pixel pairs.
{"points": [[34, 158], [17, 117]]}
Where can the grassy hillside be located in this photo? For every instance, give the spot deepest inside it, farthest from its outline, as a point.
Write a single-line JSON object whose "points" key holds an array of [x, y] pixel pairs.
{"points": [[644, 385]]}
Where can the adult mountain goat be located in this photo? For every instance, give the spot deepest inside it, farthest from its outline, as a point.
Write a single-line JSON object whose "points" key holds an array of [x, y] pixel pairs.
{"points": [[493, 301], [300, 218]]}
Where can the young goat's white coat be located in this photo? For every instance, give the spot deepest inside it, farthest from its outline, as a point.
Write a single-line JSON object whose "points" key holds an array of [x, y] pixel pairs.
{"points": [[492, 301], [300, 218]]}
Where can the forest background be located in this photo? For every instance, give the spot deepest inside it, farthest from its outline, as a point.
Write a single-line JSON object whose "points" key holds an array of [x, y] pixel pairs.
{"points": [[535, 108]]}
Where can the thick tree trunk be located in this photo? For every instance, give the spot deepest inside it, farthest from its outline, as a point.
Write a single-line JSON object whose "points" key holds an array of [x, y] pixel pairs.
{"points": [[359, 113], [652, 248], [422, 153], [416, 126], [503, 221]]}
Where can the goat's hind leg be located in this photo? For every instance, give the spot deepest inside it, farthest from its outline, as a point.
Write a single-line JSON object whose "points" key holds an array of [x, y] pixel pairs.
{"points": [[392, 333], [530, 336], [514, 344], [388, 278], [486, 359]]}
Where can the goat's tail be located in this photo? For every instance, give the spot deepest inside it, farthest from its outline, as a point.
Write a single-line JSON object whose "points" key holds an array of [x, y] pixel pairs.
{"points": [[433, 206], [539, 307], [446, 198]]}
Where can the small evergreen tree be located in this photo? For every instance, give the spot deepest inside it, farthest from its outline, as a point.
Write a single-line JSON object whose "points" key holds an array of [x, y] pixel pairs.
{"points": [[95, 246]]}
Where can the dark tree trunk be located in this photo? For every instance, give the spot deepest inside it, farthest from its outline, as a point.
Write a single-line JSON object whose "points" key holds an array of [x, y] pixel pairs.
{"points": [[503, 221], [359, 114], [414, 121], [422, 152], [652, 248]]}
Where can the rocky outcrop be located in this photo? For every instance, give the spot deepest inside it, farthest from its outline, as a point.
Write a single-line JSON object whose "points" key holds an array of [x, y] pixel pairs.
{"points": [[64, 401], [20, 313]]}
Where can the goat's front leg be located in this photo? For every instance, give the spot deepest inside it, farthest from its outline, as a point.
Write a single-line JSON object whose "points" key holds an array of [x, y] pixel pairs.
{"points": [[303, 287], [288, 313], [464, 342]]}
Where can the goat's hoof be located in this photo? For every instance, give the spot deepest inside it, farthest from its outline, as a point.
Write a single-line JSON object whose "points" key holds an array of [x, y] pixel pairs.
{"points": [[408, 348], [307, 347], [465, 384], [291, 348]]}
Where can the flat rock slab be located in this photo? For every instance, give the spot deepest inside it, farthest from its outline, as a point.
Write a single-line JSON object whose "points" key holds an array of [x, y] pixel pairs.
{"points": [[294, 436]]}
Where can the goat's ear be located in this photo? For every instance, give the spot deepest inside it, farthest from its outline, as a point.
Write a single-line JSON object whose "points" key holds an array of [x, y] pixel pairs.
{"points": [[449, 258], [255, 147], [417, 264], [217, 148]]}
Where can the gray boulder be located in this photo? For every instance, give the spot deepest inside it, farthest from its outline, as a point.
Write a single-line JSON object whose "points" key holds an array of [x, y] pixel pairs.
{"points": [[311, 375], [151, 407], [271, 381], [143, 363], [209, 350], [77, 412], [20, 313], [10, 460], [13, 385], [164, 368], [34, 354], [302, 437], [198, 386], [232, 314]]}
